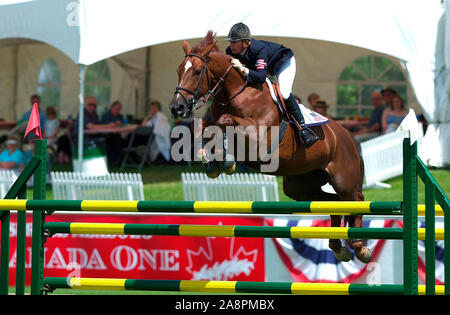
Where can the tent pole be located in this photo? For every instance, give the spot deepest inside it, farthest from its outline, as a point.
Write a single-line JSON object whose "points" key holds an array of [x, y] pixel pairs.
{"points": [[147, 79], [15, 81], [81, 117]]}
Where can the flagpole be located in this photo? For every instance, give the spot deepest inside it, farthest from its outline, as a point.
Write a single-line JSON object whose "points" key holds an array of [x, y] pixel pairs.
{"points": [[81, 117]]}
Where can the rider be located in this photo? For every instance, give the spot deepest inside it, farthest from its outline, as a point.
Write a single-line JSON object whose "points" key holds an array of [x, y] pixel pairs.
{"points": [[255, 58]]}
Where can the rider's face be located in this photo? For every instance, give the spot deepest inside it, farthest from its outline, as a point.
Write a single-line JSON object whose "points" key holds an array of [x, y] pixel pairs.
{"points": [[238, 47]]}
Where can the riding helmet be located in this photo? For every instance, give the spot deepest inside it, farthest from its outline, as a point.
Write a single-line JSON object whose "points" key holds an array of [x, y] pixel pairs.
{"points": [[238, 31]]}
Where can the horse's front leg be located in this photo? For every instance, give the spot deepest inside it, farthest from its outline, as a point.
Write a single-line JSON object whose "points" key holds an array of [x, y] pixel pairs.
{"points": [[228, 164], [363, 253], [210, 164], [342, 253]]}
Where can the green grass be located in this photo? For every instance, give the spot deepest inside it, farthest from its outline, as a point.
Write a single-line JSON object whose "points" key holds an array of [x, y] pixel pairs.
{"points": [[162, 182]]}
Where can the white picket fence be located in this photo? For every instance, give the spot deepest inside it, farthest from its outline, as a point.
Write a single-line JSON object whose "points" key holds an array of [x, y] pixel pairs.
{"points": [[7, 179], [81, 186], [237, 187], [383, 158]]}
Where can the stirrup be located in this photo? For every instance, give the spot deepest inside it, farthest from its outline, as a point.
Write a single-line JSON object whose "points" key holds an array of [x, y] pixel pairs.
{"points": [[308, 137]]}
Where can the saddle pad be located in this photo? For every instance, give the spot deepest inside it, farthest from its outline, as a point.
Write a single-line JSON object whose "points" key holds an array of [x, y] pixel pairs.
{"points": [[311, 117]]}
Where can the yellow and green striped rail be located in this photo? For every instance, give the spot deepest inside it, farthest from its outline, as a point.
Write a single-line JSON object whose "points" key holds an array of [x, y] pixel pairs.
{"points": [[231, 231], [52, 283], [256, 207]]}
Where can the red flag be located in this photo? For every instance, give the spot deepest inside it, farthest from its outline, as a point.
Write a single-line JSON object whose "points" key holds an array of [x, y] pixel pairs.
{"points": [[34, 123]]}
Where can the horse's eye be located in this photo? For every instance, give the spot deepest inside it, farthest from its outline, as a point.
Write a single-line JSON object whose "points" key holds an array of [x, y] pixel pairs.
{"points": [[197, 72]]}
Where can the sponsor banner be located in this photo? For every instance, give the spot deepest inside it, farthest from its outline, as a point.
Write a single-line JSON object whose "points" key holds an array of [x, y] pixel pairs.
{"points": [[146, 256]]}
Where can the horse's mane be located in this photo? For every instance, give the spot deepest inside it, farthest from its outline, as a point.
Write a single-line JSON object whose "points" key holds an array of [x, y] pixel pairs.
{"points": [[205, 42]]}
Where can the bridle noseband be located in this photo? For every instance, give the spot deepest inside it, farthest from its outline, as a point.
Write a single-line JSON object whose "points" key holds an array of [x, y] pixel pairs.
{"points": [[193, 103]]}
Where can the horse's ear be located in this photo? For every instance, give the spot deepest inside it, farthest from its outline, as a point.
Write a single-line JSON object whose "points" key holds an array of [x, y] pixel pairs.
{"points": [[186, 47], [209, 48]]}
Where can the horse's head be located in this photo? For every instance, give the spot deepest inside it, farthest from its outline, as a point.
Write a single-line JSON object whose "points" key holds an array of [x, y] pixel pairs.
{"points": [[194, 77]]}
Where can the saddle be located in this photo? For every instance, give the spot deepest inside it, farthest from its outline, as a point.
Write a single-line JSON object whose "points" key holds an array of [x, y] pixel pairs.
{"points": [[311, 118]]}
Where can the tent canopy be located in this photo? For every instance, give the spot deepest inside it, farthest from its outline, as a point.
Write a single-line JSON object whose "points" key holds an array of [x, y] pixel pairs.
{"points": [[89, 31]]}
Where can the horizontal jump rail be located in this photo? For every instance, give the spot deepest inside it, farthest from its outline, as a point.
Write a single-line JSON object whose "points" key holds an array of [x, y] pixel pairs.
{"points": [[243, 207], [231, 231], [52, 283], [260, 207]]}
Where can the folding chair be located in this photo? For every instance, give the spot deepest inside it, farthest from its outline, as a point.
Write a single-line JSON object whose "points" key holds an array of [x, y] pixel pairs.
{"points": [[141, 151]]}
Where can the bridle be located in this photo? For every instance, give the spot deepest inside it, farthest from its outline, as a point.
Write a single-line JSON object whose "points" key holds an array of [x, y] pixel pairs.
{"points": [[193, 103]]}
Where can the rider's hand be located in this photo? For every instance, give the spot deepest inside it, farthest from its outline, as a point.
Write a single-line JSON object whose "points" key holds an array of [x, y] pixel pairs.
{"points": [[238, 65]]}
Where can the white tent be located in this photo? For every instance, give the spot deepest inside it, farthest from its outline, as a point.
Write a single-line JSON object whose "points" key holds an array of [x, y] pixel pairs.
{"points": [[88, 31]]}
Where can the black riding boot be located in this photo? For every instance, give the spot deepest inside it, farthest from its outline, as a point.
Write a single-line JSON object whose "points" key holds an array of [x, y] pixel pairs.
{"points": [[307, 136]]}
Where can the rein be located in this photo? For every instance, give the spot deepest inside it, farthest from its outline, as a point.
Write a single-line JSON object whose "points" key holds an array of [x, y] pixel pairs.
{"points": [[212, 92]]}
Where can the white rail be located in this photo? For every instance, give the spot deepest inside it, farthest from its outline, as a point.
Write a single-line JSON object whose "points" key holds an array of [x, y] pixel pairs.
{"points": [[81, 186], [237, 187]]}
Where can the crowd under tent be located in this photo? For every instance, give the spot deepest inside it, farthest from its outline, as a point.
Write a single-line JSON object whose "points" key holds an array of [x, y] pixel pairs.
{"points": [[129, 51]]}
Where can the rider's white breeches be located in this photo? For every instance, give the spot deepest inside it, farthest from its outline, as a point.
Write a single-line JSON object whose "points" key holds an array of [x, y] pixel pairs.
{"points": [[286, 77]]}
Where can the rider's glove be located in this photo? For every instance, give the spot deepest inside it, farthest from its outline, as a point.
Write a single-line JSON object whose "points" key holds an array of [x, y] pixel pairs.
{"points": [[238, 65]]}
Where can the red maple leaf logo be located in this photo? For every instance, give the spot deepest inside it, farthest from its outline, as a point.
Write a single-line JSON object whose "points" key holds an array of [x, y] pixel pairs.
{"points": [[220, 260]]}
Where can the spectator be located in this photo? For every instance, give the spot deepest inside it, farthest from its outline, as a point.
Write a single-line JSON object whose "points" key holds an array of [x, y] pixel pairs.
{"points": [[393, 116], [51, 128], [160, 148], [113, 115], [12, 156], [113, 140], [388, 93], [27, 155], [321, 107], [91, 119], [42, 117], [373, 127], [312, 99]]}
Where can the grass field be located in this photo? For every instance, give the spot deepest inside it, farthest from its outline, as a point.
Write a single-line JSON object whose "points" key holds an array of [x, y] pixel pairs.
{"points": [[164, 183]]}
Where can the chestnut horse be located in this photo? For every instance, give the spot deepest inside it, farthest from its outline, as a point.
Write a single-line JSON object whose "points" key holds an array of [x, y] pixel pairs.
{"points": [[333, 159]]}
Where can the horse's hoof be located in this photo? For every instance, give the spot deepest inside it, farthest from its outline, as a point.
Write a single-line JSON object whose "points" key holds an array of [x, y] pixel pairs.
{"points": [[213, 175], [228, 165], [211, 169], [231, 170], [364, 255], [343, 254]]}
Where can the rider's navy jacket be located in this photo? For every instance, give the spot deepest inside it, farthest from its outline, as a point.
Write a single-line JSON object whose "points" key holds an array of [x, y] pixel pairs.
{"points": [[262, 57]]}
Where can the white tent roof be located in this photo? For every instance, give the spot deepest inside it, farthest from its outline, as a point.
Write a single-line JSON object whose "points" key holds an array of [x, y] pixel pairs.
{"points": [[89, 31]]}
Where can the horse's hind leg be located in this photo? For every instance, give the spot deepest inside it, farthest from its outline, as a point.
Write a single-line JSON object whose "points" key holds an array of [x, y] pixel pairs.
{"points": [[362, 252], [348, 185], [307, 187], [342, 253]]}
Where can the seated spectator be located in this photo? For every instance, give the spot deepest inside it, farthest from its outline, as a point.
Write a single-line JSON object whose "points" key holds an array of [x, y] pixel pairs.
{"points": [[51, 128], [388, 93], [114, 141], [91, 119], [393, 116], [161, 128], [113, 115], [312, 99], [42, 116], [373, 128], [12, 156], [321, 107], [28, 154]]}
